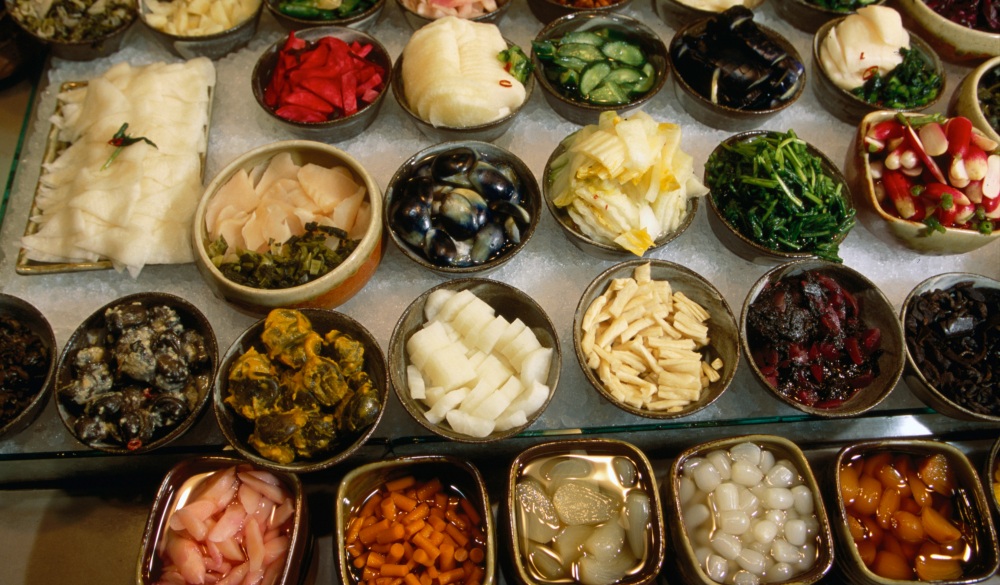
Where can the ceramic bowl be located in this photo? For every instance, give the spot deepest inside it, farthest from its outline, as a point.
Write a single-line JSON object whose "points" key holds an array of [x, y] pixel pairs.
{"points": [[458, 479], [214, 46], [509, 303], [597, 249], [809, 15], [717, 115], [84, 49], [95, 331], [937, 398], [875, 311], [331, 289], [991, 477], [483, 132], [188, 480], [723, 333], [845, 105], [678, 14], [39, 388], [635, 32], [914, 235], [238, 429], [19, 52], [341, 127], [548, 10], [397, 195], [968, 504], [746, 247], [619, 470], [966, 102], [952, 41], [362, 19], [683, 506], [417, 20]]}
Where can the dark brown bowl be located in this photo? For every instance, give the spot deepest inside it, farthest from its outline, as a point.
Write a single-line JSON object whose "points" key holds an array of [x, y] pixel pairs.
{"points": [[363, 20], [28, 315], [677, 14], [679, 504], [181, 486], [969, 502], [807, 15], [237, 429], [337, 129], [604, 457], [95, 328], [723, 332], [876, 311], [83, 49], [416, 20], [548, 10]]}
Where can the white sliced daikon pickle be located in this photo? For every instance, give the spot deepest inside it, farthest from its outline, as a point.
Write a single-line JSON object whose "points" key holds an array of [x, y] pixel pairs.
{"points": [[434, 393], [535, 366], [515, 349], [415, 382], [445, 404], [472, 318], [606, 541], [492, 406], [536, 512], [481, 391], [581, 503], [493, 371], [448, 367], [467, 424], [637, 513], [476, 358], [512, 388], [598, 571], [452, 306], [426, 340], [532, 398], [510, 420], [434, 302], [545, 562], [487, 339], [513, 330], [568, 544]]}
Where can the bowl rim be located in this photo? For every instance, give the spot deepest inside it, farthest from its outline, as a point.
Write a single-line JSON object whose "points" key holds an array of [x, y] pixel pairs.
{"points": [[602, 9], [346, 21], [121, 30], [316, 33], [397, 355], [919, 10], [188, 312], [931, 283], [40, 326], [275, 297], [925, 50], [631, 26], [142, 10], [773, 35], [405, 171], [725, 321], [492, 16], [799, 267], [974, 78], [989, 477], [833, 171], [249, 337], [578, 238]]}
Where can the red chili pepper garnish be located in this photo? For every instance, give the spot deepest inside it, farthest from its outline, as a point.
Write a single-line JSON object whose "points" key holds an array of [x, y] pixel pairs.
{"points": [[133, 444], [506, 83], [870, 71], [120, 140]]}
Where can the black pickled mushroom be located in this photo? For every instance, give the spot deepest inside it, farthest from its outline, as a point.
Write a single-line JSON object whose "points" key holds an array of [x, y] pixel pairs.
{"points": [[734, 63], [953, 337], [24, 363]]}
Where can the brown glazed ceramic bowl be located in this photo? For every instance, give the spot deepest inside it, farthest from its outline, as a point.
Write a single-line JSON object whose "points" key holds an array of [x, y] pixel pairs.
{"points": [[548, 10], [417, 20], [952, 41], [24, 313], [214, 46], [808, 15], [362, 20], [84, 49]]}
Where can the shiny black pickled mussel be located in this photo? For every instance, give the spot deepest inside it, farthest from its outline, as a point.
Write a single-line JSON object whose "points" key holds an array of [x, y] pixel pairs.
{"points": [[453, 167], [493, 184], [411, 217], [462, 213], [441, 248]]}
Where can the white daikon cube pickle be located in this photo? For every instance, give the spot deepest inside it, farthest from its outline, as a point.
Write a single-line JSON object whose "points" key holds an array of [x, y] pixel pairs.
{"points": [[448, 367], [472, 318], [434, 302], [453, 305], [425, 341], [487, 339], [415, 381], [446, 404], [467, 424]]}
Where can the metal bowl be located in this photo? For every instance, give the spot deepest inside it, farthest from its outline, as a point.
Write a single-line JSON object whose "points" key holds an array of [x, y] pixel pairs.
{"points": [[213, 46], [237, 429], [362, 20], [548, 10], [78, 50], [509, 303], [723, 331], [991, 477], [416, 20], [28, 315], [808, 15]]}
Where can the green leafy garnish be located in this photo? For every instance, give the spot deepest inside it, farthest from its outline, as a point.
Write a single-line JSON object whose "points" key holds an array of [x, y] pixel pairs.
{"points": [[299, 260], [911, 84], [120, 140], [774, 192]]}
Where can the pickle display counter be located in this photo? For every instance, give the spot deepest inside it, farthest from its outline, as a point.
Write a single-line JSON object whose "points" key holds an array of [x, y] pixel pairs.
{"points": [[55, 491]]}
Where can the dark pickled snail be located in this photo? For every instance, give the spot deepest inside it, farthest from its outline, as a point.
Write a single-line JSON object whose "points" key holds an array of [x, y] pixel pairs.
{"points": [[734, 63], [458, 210]]}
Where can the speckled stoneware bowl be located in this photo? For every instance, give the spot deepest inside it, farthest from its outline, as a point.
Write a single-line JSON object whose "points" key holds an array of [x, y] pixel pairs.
{"points": [[808, 15], [25, 313], [723, 333], [716, 115], [548, 10], [952, 41], [214, 46], [95, 326], [965, 101], [416, 20], [581, 112], [184, 482], [875, 310], [980, 529], [677, 14], [526, 185], [583, 242], [484, 132], [82, 50], [362, 20], [340, 128], [459, 477], [690, 571], [601, 454], [745, 247], [237, 429], [889, 228], [845, 105], [328, 291], [509, 303], [915, 379]]}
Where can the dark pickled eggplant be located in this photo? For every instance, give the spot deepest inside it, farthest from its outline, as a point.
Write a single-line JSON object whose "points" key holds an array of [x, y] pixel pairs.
{"points": [[734, 63], [24, 363]]}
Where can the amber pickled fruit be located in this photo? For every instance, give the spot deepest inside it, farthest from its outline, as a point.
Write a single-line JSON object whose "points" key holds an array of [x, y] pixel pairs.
{"points": [[908, 526], [939, 528], [869, 495], [891, 566], [849, 488], [888, 506], [856, 527], [937, 474], [867, 551], [875, 463], [920, 492], [932, 568], [890, 477]]}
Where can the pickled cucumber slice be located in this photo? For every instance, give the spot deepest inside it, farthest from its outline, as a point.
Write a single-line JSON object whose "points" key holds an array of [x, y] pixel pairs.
{"points": [[645, 83], [582, 51], [608, 94], [624, 75], [592, 76], [582, 36], [623, 52]]}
